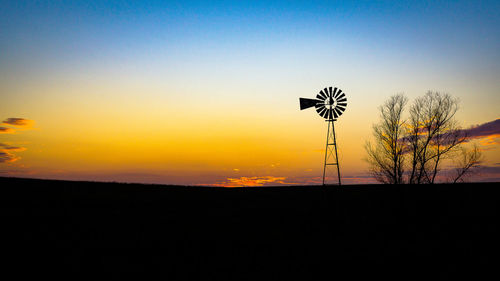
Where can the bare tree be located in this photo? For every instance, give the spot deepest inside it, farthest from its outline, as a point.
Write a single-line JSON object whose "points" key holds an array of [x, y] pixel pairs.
{"points": [[413, 138], [420, 144], [433, 134], [467, 163], [386, 157]]}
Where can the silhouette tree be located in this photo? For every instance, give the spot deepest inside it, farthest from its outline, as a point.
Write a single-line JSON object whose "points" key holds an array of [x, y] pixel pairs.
{"points": [[386, 156], [420, 143], [468, 161], [434, 134]]}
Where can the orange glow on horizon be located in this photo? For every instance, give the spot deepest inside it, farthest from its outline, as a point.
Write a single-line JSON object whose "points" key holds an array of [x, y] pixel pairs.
{"points": [[252, 181]]}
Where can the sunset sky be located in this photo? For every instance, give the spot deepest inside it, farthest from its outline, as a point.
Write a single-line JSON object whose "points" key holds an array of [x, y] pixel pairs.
{"points": [[206, 92]]}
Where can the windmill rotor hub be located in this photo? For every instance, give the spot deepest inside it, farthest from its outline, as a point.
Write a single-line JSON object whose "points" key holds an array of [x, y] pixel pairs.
{"points": [[330, 101]]}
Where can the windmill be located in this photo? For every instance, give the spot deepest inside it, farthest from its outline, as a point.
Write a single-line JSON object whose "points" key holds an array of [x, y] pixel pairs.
{"points": [[330, 104]]}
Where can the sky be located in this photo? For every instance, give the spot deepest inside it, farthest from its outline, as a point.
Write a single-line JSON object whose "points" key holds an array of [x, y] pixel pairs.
{"points": [[206, 92]]}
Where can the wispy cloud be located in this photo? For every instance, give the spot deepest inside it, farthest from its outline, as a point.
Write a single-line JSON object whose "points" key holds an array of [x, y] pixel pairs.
{"points": [[482, 173], [5, 130], [358, 179], [18, 122], [361, 178], [253, 181], [4, 146], [488, 133], [484, 130], [6, 150], [7, 157]]}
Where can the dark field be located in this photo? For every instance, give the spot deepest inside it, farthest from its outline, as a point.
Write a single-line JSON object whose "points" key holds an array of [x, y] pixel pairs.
{"points": [[101, 231]]}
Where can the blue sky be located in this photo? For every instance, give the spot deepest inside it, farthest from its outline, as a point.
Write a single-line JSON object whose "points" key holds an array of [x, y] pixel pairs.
{"points": [[89, 29]]}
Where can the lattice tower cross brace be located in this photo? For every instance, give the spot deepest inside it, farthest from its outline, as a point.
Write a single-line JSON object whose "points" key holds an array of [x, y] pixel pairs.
{"points": [[331, 156]]}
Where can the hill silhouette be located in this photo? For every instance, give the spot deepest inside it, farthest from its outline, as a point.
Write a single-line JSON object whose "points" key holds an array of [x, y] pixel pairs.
{"points": [[103, 231]]}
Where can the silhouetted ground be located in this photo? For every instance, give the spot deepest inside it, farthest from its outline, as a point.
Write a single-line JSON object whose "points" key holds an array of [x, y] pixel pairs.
{"points": [[102, 231]]}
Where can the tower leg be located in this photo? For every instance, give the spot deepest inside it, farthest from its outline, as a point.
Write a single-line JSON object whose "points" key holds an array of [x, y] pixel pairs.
{"points": [[326, 151], [336, 155], [331, 156]]}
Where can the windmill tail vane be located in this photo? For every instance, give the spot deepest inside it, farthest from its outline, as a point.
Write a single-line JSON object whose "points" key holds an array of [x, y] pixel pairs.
{"points": [[329, 103]]}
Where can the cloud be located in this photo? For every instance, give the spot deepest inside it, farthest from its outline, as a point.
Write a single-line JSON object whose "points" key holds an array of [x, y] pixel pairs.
{"points": [[346, 179], [484, 130], [252, 181], [4, 147], [484, 173], [6, 157], [358, 179], [19, 122], [489, 132], [361, 178], [5, 130], [490, 169]]}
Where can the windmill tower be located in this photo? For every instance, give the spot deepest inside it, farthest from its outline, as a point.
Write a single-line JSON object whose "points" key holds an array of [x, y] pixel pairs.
{"points": [[330, 104]]}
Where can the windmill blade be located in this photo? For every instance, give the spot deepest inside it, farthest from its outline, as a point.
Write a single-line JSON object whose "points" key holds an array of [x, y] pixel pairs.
{"points": [[338, 112], [341, 104], [335, 113], [342, 100], [334, 92], [321, 110], [325, 90], [321, 95], [325, 113], [306, 103], [341, 108], [338, 93], [330, 91], [339, 96], [319, 106]]}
